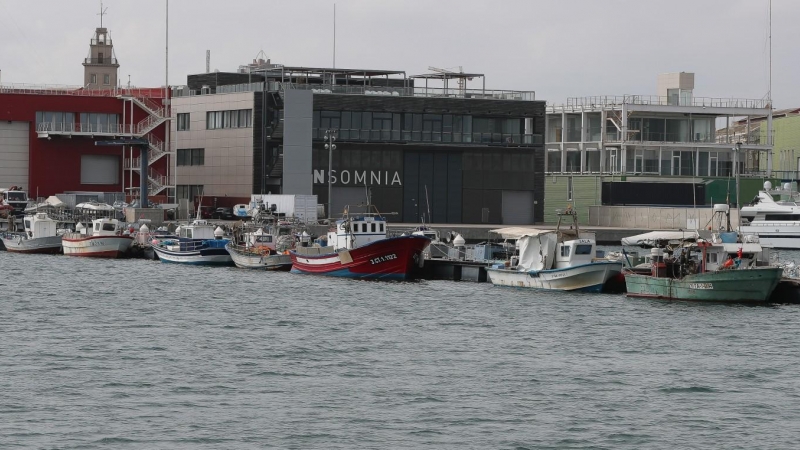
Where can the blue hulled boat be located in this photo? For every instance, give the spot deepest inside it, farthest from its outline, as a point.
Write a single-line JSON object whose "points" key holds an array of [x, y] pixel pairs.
{"points": [[198, 243]]}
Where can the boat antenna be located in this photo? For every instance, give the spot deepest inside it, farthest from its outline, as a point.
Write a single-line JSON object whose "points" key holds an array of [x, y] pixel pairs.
{"points": [[199, 205], [428, 202]]}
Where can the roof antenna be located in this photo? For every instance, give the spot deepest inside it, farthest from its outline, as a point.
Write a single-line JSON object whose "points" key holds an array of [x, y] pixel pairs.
{"points": [[334, 35], [102, 13]]}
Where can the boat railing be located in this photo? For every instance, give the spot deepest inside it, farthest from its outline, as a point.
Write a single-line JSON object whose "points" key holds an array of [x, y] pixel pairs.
{"points": [[192, 245]]}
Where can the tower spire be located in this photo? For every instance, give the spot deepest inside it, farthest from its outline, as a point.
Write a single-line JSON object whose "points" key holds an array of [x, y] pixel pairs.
{"points": [[102, 13]]}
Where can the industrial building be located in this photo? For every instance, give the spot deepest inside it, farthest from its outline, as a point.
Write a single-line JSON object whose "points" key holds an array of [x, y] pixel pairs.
{"points": [[427, 147]]}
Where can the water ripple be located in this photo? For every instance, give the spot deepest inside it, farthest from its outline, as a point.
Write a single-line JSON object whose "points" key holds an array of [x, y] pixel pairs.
{"points": [[160, 356]]}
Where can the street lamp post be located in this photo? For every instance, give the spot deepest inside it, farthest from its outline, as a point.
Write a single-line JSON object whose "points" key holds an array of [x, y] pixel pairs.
{"points": [[330, 138], [737, 151]]}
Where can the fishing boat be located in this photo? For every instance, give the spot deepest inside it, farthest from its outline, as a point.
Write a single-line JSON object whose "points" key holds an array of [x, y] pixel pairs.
{"points": [[199, 243], [358, 247], [105, 239], [703, 266], [40, 235], [562, 260], [262, 250]]}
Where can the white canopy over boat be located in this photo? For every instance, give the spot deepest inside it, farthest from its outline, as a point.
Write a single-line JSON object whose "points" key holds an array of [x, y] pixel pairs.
{"points": [[652, 238], [537, 248], [94, 206], [518, 232], [50, 202], [537, 252]]}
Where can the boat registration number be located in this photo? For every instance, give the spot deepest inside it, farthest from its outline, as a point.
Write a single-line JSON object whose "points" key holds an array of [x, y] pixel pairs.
{"points": [[701, 286], [383, 258]]}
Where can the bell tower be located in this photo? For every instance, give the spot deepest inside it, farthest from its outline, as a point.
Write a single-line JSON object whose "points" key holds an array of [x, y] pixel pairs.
{"points": [[100, 68]]}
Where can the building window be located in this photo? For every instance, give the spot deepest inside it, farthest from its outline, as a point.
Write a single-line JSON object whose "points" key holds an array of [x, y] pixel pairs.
{"points": [[183, 121], [613, 162], [414, 127], [573, 160], [188, 191], [55, 121], [99, 123], [100, 169], [592, 164], [191, 157], [100, 58], [93, 79], [553, 160], [106, 79], [237, 118]]}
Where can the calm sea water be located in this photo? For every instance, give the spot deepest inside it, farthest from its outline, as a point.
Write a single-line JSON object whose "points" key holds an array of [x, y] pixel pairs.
{"points": [[138, 354]]}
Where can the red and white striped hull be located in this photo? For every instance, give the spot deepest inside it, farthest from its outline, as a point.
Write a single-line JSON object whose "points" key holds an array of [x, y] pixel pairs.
{"points": [[96, 246]]}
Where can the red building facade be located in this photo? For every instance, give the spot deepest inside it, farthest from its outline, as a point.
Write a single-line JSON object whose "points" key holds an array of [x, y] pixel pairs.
{"points": [[65, 123]]}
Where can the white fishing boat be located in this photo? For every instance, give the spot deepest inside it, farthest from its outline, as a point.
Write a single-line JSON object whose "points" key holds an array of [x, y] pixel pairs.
{"points": [[561, 260], [105, 239], [199, 243], [262, 250], [40, 235]]}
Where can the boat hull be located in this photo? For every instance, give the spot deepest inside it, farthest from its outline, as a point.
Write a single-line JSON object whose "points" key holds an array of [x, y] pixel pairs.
{"points": [[45, 245], [96, 246], [746, 285], [387, 259], [585, 278], [202, 257], [254, 260]]}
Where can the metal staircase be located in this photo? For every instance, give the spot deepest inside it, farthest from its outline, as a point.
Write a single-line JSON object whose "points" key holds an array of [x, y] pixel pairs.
{"points": [[276, 167], [156, 181], [156, 115]]}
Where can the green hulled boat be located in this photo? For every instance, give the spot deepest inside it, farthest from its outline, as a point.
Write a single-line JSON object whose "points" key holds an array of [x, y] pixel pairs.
{"points": [[739, 285]]}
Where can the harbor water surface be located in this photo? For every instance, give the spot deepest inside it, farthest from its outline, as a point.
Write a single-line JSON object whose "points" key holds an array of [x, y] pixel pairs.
{"points": [[137, 354]]}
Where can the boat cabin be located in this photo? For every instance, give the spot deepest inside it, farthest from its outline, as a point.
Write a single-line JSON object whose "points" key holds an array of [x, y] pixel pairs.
{"points": [[259, 239], [199, 229], [357, 231], [105, 227], [39, 225], [574, 253]]}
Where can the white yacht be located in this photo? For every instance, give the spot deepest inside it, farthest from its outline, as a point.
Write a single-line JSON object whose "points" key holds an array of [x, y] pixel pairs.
{"points": [[774, 216]]}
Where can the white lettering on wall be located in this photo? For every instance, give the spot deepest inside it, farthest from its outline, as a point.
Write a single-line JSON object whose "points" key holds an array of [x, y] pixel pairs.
{"points": [[359, 178]]}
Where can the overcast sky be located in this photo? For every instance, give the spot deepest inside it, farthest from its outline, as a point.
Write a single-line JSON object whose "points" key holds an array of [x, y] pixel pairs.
{"points": [[558, 48]]}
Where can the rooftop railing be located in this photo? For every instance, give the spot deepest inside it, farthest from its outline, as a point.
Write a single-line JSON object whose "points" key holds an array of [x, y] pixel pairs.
{"points": [[416, 91], [61, 89], [388, 91], [598, 102]]}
